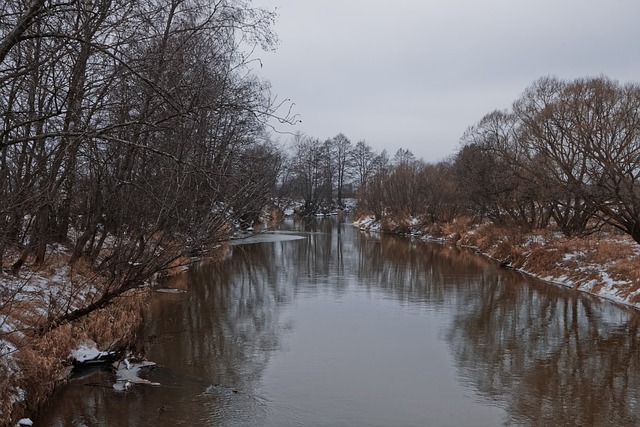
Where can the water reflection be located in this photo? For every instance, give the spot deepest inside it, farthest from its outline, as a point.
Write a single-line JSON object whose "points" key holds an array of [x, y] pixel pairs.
{"points": [[537, 354], [562, 360], [547, 355]]}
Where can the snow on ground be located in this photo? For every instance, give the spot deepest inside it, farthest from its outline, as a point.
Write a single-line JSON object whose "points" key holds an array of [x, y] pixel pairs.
{"points": [[368, 223], [602, 283], [28, 299], [532, 240], [590, 277], [88, 351]]}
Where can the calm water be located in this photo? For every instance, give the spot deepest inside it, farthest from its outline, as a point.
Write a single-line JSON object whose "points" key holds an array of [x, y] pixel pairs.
{"points": [[344, 329]]}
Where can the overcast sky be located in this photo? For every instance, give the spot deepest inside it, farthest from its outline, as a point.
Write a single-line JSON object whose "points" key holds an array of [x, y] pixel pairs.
{"points": [[416, 73]]}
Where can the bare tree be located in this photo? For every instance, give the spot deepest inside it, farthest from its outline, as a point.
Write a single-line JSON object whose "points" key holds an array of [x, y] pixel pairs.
{"points": [[439, 192], [342, 153], [373, 198], [545, 137], [307, 175], [362, 158], [585, 135], [131, 131]]}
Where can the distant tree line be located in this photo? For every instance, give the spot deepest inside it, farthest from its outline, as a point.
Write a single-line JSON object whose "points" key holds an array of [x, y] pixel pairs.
{"points": [[320, 173], [131, 131], [567, 154]]}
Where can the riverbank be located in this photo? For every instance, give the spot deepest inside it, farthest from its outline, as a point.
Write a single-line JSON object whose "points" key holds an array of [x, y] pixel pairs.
{"points": [[32, 365], [35, 357], [605, 264]]}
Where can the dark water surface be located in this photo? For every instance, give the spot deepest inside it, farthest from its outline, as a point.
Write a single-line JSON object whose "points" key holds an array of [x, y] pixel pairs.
{"points": [[344, 329]]}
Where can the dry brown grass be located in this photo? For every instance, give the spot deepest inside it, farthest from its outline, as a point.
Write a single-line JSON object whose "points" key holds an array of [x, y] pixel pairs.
{"points": [[437, 230], [117, 326], [604, 251], [42, 362], [505, 244], [544, 261], [399, 225], [578, 260], [628, 269]]}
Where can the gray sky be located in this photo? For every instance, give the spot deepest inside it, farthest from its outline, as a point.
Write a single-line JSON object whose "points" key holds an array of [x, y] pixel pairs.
{"points": [[415, 74]]}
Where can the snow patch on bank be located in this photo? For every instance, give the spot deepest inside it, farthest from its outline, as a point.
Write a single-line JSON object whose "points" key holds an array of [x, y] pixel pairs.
{"points": [[368, 223], [87, 352], [601, 284]]}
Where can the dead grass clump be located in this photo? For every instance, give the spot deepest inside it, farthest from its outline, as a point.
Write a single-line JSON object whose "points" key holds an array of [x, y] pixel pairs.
{"points": [[7, 395], [42, 366], [54, 262], [606, 251], [498, 242], [274, 216], [451, 230], [389, 225], [116, 326], [83, 268], [627, 269], [544, 261], [437, 230], [479, 237], [459, 226], [590, 277], [507, 252]]}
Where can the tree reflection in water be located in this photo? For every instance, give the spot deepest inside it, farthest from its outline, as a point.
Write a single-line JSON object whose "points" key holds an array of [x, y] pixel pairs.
{"points": [[544, 354], [547, 355], [552, 358]]}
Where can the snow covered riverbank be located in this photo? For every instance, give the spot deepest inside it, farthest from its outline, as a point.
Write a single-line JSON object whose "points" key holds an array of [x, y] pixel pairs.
{"points": [[606, 264]]}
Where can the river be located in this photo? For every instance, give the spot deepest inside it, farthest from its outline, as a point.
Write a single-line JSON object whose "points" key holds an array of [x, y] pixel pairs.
{"points": [[323, 325]]}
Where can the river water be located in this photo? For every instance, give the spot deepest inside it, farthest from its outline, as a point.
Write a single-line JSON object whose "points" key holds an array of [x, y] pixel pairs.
{"points": [[323, 325]]}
